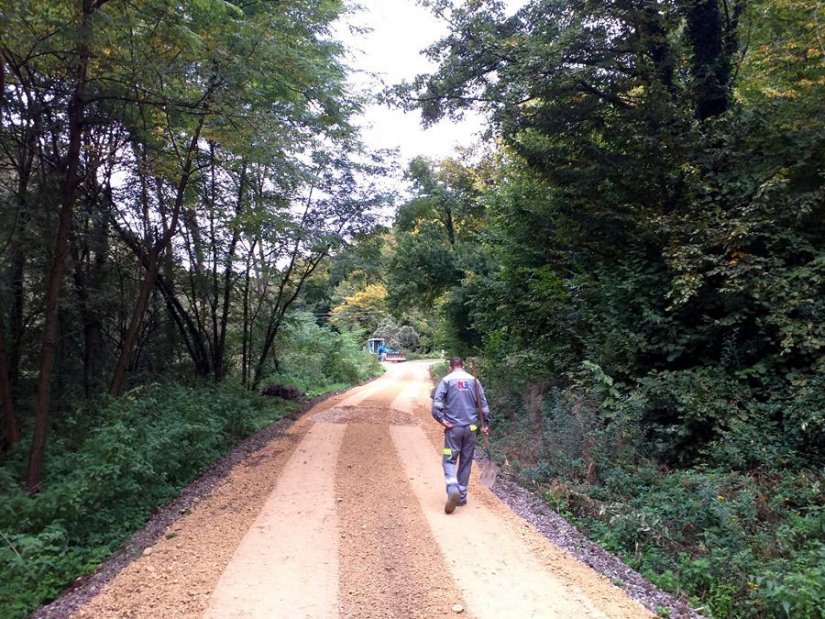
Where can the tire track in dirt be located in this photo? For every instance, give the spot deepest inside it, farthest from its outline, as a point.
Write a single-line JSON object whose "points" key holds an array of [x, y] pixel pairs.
{"points": [[287, 564], [385, 535], [289, 557], [176, 579]]}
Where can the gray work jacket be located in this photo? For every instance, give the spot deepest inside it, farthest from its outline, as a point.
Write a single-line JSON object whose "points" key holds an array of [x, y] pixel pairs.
{"points": [[454, 400]]}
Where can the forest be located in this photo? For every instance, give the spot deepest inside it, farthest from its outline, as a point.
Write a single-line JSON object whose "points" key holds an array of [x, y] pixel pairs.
{"points": [[190, 219]]}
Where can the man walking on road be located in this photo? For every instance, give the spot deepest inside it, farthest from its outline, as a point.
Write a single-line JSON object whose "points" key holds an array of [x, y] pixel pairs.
{"points": [[457, 404]]}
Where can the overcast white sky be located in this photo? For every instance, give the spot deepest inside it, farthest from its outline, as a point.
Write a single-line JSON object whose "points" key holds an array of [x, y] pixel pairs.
{"points": [[400, 30]]}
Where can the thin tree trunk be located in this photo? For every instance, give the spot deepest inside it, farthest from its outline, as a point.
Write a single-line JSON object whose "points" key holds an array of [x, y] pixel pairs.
{"points": [[200, 302], [246, 327], [82, 288], [18, 263], [278, 310], [16, 311], [284, 301], [76, 113], [189, 330], [714, 42], [220, 344], [214, 293], [87, 278], [282, 304], [129, 343], [152, 266], [655, 35]]}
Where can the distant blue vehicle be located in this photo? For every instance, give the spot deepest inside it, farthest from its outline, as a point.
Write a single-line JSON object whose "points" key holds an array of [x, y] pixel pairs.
{"points": [[378, 346]]}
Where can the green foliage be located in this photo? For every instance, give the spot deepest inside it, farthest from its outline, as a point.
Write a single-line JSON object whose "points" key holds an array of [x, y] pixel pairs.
{"points": [[400, 337], [795, 588], [263, 85], [316, 359], [422, 268], [440, 253], [439, 370], [35, 566], [363, 310], [739, 544], [702, 534], [110, 468], [678, 253]]}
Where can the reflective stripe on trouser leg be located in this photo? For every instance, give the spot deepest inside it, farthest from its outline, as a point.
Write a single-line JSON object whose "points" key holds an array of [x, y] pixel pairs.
{"points": [[450, 477]]}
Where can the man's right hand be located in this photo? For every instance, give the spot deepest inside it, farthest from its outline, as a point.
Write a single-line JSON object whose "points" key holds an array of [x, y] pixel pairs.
{"points": [[447, 424]]}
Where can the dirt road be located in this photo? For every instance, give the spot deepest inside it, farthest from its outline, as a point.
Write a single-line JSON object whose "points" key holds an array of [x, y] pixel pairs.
{"points": [[342, 516]]}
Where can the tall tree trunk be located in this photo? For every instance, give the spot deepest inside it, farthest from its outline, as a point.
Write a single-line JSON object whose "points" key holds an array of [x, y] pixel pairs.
{"points": [[283, 302], [215, 291], [200, 307], [190, 331], [228, 276], [152, 266], [68, 189], [284, 299], [655, 37], [246, 328], [18, 262], [713, 37], [16, 310], [142, 303], [89, 261]]}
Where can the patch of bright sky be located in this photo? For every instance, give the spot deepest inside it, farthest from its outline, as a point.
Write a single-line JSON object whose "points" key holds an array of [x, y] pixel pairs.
{"points": [[391, 50]]}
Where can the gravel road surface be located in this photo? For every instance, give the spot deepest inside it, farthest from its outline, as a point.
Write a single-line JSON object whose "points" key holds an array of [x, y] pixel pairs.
{"points": [[341, 514]]}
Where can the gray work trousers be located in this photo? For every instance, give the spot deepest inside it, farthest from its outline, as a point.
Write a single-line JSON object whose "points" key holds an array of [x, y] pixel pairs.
{"points": [[459, 446]]}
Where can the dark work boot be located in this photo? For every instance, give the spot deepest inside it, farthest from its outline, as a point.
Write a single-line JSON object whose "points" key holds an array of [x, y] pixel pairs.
{"points": [[452, 500]]}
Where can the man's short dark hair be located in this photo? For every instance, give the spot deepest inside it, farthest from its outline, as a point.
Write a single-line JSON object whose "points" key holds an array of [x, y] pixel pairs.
{"points": [[456, 362]]}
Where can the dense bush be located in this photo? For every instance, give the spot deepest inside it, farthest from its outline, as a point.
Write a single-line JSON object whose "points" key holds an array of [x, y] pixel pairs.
{"points": [[109, 468], [741, 534], [736, 545], [316, 359]]}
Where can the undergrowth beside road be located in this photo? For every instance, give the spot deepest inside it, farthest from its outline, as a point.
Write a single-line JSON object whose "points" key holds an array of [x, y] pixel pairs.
{"points": [[109, 467], [735, 543], [317, 360]]}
